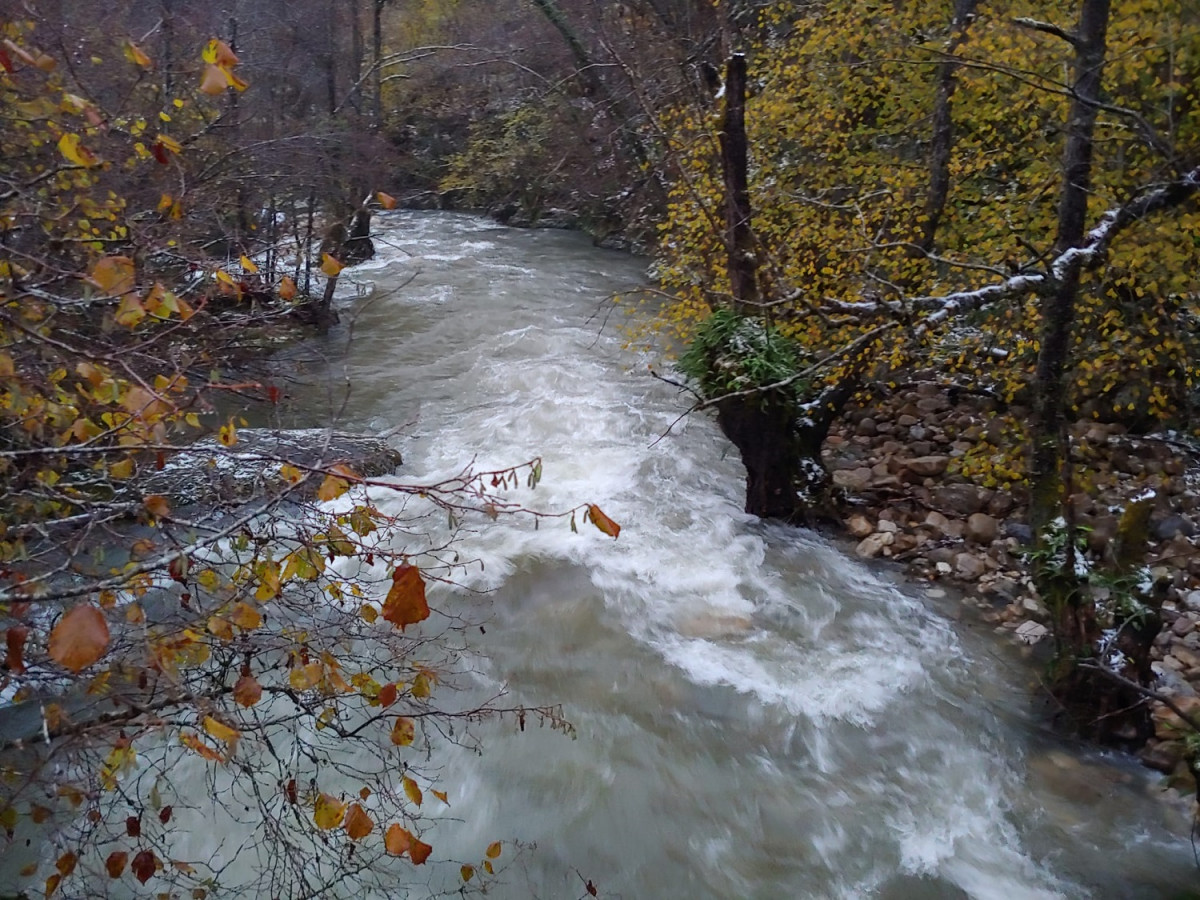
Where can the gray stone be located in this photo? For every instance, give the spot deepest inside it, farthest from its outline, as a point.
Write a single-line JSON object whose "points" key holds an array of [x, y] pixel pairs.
{"points": [[1191, 600], [1031, 632], [853, 479], [968, 566], [867, 427], [960, 499], [982, 528], [1174, 525], [1020, 531], [937, 521], [927, 466]]}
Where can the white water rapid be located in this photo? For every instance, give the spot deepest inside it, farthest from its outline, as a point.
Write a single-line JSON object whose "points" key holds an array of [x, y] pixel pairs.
{"points": [[758, 715]]}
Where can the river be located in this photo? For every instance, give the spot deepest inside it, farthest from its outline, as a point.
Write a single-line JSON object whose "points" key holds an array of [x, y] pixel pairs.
{"points": [[757, 715]]}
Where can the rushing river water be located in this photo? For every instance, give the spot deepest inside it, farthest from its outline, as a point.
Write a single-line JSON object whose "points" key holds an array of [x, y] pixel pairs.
{"points": [[758, 715]]}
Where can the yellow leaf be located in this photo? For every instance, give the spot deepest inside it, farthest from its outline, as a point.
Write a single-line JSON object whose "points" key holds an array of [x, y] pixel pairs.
{"points": [[121, 470], [233, 81], [329, 812], [412, 790], [248, 265], [80, 638], [358, 824], [130, 311], [332, 487], [169, 143], [420, 687], [494, 849], [227, 434], [219, 53], [304, 677], [330, 266], [246, 617], [405, 603], [70, 147], [369, 613], [221, 731], [487, 867]]}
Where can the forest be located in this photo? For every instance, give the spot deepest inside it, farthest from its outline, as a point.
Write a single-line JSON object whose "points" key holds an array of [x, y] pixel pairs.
{"points": [[930, 268]]}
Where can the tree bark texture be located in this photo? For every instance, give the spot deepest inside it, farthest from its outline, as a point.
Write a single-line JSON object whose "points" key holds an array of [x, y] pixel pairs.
{"points": [[1058, 304], [739, 235]]}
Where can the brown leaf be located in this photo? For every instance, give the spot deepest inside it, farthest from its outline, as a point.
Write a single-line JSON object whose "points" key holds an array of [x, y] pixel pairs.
{"points": [[213, 83], [247, 691], [387, 695], [419, 851], [406, 604], [494, 849], [157, 506], [15, 638], [115, 864], [66, 864], [358, 824], [144, 865], [79, 638], [133, 826], [597, 517]]}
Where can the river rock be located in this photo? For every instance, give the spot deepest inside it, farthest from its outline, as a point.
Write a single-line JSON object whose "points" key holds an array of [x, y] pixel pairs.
{"points": [[982, 528], [968, 566], [872, 546], [853, 479], [960, 499], [1031, 632], [1173, 525], [927, 466], [1163, 756], [859, 526]]}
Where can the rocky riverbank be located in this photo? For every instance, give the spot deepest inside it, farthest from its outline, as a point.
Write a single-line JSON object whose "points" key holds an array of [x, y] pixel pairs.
{"points": [[929, 477]]}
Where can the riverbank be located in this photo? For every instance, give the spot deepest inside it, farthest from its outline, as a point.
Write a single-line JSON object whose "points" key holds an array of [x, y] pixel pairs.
{"points": [[930, 482]]}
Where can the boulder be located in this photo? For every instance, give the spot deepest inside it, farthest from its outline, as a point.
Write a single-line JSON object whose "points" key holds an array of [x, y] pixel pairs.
{"points": [[960, 499], [968, 566], [982, 528], [927, 466], [872, 546]]}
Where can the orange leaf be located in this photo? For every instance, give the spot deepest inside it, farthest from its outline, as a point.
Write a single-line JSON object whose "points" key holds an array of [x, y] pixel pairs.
{"points": [[358, 824], [329, 812], [387, 201], [441, 795], [403, 731], [330, 266], [397, 841], [137, 56], [192, 742], [66, 864], [157, 506], [52, 884], [144, 865], [467, 872], [213, 83], [287, 288], [114, 275], [79, 638], [412, 790], [603, 522], [406, 604], [115, 864], [419, 851], [220, 628], [494, 849], [247, 691]]}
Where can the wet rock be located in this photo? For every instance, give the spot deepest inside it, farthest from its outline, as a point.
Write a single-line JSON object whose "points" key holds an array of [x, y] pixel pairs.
{"points": [[968, 566], [1172, 526], [853, 479], [1031, 632], [859, 526], [873, 546], [982, 528], [1019, 531], [927, 466], [960, 499]]}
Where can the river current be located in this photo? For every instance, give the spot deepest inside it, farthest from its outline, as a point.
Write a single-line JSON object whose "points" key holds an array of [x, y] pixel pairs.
{"points": [[757, 715]]}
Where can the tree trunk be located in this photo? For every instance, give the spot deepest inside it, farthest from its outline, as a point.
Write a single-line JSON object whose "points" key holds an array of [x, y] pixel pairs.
{"points": [[1058, 305], [942, 143], [739, 236], [377, 62]]}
